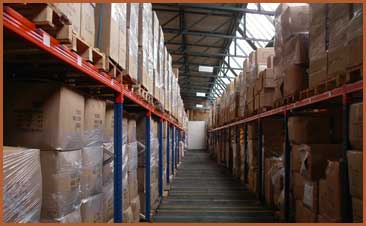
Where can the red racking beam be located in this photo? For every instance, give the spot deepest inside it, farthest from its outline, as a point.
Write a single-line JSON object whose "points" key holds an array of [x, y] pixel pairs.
{"points": [[348, 88], [21, 26]]}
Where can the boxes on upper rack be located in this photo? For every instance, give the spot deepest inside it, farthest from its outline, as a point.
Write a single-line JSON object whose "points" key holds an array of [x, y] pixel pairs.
{"points": [[110, 35], [22, 186], [132, 40]]}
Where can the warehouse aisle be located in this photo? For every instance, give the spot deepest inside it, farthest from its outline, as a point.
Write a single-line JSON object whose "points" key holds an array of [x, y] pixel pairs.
{"points": [[205, 192]]}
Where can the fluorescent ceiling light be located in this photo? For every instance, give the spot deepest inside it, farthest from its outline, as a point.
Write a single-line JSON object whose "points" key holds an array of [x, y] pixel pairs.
{"points": [[205, 69], [199, 105], [199, 94]]}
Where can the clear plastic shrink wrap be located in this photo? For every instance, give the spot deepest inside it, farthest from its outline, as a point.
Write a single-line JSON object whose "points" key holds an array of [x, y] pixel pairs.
{"points": [[22, 175]]}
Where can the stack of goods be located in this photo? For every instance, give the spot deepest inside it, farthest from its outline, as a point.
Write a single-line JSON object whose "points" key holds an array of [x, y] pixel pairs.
{"points": [[92, 161], [291, 48], [22, 175], [145, 47], [335, 41], [263, 82], [154, 154], [59, 139], [274, 183], [354, 157], [110, 24], [311, 138], [252, 160], [242, 156]]}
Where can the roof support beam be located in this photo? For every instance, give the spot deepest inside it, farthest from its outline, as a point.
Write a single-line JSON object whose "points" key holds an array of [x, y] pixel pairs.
{"points": [[211, 34], [230, 69], [224, 8], [200, 54], [194, 45], [208, 65]]}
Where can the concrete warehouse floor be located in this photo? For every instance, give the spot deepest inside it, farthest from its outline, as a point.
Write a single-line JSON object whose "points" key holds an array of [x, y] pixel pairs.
{"points": [[202, 191]]}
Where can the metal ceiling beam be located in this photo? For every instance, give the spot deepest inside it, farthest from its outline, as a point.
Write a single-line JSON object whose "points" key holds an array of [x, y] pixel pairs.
{"points": [[211, 34], [222, 8], [231, 69], [156, 8], [242, 33], [200, 54], [194, 45], [208, 65]]}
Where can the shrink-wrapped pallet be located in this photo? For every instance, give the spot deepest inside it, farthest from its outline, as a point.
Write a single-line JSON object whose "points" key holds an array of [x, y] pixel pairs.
{"points": [[22, 189]]}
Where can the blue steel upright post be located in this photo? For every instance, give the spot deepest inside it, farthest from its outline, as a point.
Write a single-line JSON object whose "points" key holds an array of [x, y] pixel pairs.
{"points": [[173, 150], [147, 169], [118, 137], [167, 153], [161, 157]]}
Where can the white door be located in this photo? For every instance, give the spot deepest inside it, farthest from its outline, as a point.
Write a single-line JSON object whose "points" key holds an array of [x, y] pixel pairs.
{"points": [[197, 135]]}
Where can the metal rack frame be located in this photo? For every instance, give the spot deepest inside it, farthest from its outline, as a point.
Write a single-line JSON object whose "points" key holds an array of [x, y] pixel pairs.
{"points": [[24, 28], [340, 92]]}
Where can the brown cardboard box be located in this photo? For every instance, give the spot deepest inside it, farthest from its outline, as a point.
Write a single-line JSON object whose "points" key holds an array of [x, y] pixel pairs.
{"points": [[315, 157], [357, 208], [309, 129], [266, 98], [252, 180], [87, 26], [61, 182], [72, 12], [110, 36], [270, 61], [135, 208], [43, 115], [354, 52], [296, 49], [311, 198], [355, 126], [109, 122], [262, 54], [298, 186], [295, 19], [295, 80], [22, 186], [303, 214], [108, 201], [271, 167], [317, 78], [95, 111], [330, 194], [132, 40], [296, 158], [252, 153], [91, 171], [355, 173], [92, 209], [73, 217], [337, 60]]}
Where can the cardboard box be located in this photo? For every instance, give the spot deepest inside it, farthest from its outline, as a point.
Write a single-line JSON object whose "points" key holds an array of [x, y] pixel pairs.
{"points": [[296, 158], [108, 202], [252, 153], [261, 55], [266, 98], [310, 198], [91, 171], [87, 26], [309, 129], [61, 171], [357, 208], [22, 186], [132, 40], [337, 60], [295, 19], [315, 157], [109, 122], [355, 173], [110, 35], [355, 126], [92, 209], [94, 120], [43, 115], [295, 80], [303, 214], [135, 208], [296, 49], [72, 12], [330, 194], [298, 186]]}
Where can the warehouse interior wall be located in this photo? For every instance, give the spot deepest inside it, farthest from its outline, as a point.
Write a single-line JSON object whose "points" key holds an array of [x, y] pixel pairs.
{"points": [[198, 115], [197, 134]]}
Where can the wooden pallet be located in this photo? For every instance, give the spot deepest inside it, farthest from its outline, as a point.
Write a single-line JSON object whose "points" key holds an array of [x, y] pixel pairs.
{"points": [[142, 92], [113, 70], [278, 103], [127, 79], [354, 74], [264, 109], [158, 105], [307, 93], [291, 98]]}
